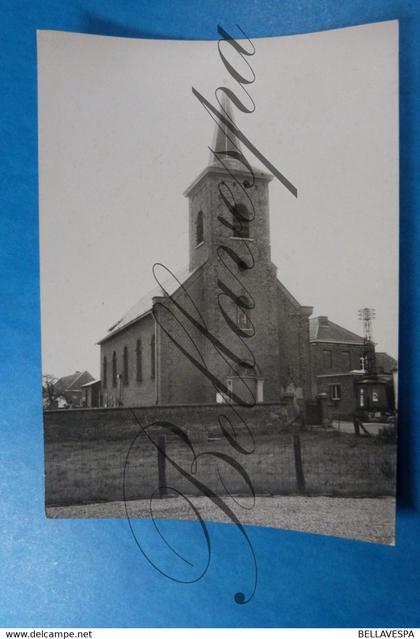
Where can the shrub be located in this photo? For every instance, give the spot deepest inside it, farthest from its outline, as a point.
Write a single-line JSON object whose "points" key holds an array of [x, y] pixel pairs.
{"points": [[388, 434]]}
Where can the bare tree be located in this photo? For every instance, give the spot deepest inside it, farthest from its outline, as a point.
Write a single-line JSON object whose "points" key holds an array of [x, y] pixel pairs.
{"points": [[49, 393]]}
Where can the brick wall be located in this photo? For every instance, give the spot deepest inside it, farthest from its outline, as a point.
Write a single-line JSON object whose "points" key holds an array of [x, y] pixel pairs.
{"points": [[344, 358], [345, 407], [179, 381], [86, 451], [281, 341]]}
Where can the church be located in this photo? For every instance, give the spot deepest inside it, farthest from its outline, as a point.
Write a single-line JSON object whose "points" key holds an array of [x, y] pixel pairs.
{"points": [[225, 328]]}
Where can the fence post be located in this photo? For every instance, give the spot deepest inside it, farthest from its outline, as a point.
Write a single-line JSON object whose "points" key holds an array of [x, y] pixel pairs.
{"points": [[161, 465], [300, 477]]}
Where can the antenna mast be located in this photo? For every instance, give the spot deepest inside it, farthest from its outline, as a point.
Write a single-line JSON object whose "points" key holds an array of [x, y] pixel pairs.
{"points": [[367, 315]]}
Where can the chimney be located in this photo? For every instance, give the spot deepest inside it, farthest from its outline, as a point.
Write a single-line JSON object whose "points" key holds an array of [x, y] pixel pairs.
{"points": [[323, 320]]}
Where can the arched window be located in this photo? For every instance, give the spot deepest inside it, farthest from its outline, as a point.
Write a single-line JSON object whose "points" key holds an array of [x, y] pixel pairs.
{"points": [[199, 229], [241, 221], [125, 366], [139, 363], [114, 368], [243, 319], [104, 372], [152, 358]]}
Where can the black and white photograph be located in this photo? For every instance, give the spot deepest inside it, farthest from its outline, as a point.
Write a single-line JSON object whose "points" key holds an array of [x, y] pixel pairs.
{"points": [[219, 278]]}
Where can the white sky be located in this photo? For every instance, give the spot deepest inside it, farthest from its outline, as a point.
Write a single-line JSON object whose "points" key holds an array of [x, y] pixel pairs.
{"points": [[121, 136]]}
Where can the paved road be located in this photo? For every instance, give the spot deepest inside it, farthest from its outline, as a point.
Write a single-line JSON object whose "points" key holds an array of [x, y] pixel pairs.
{"points": [[369, 519], [348, 427]]}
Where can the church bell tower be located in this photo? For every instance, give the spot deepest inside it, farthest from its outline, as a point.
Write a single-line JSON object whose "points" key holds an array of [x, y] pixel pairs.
{"points": [[228, 201]]}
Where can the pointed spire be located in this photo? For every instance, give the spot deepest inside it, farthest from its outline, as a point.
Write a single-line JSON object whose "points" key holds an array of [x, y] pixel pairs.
{"points": [[224, 140]]}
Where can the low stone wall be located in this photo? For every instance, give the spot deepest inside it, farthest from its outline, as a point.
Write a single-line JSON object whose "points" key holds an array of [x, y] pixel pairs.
{"points": [[94, 455]]}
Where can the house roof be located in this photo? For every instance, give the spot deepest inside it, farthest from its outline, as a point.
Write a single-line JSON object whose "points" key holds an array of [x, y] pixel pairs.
{"points": [[321, 329], [92, 383], [73, 382], [386, 362], [144, 305]]}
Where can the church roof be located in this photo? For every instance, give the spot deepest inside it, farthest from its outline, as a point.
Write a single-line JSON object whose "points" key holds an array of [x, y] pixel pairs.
{"points": [[144, 305], [293, 301], [321, 329]]}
